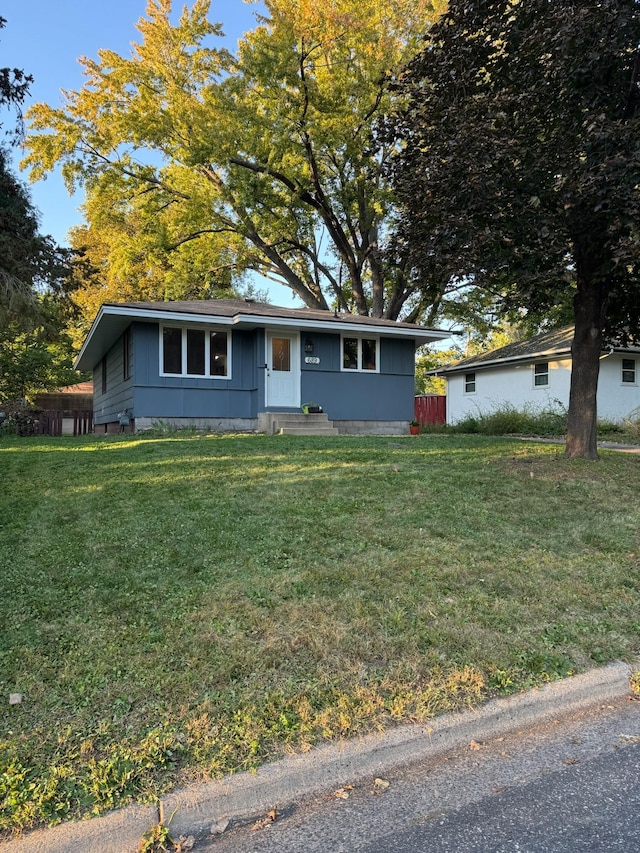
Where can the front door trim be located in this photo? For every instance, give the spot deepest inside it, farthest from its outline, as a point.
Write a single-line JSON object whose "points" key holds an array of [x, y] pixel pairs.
{"points": [[282, 387]]}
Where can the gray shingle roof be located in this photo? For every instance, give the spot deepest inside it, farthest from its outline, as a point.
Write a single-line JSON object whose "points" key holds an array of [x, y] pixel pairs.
{"points": [[243, 307], [554, 343], [114, 317]]}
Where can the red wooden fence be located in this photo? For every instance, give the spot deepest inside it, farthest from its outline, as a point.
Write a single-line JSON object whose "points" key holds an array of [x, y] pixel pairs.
{"points": [[430, 409]]}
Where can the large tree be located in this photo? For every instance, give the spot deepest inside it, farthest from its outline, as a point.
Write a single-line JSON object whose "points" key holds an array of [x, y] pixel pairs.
{"points": [[519, 168], [14, 87], [40, 358], [198, 165], [35, 274], [16, 216], [36, 280], [31, 264]]}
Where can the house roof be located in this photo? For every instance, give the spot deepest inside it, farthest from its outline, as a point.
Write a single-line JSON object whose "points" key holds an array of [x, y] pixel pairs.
{"points": [[113, 318], [553, 344], [78, 388]]}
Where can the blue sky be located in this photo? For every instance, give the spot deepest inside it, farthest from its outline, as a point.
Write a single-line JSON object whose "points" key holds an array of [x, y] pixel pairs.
{"points": [[45, 38]]}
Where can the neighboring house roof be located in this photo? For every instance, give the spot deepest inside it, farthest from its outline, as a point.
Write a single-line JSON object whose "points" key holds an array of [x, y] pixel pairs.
{"points": [[78, 388], [554, 344], [78, 396], [113, 318]]}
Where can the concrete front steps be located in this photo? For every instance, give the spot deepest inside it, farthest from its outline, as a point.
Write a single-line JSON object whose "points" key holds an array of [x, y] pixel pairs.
{"points": [[295, 423]]}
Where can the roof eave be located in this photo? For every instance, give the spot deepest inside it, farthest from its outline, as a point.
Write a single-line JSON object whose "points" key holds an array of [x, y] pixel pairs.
{"points": [[338, 324], [516, 359], [111, 320]]}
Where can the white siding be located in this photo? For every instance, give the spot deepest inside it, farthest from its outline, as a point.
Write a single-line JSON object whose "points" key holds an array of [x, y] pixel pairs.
{"points": [[513, 386], [617, 400]]}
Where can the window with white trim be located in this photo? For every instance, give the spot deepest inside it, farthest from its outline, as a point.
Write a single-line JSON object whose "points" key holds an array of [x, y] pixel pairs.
{"points": [[541, 374], [469, 383], [194, 351], [360, 353], [629, 371]]}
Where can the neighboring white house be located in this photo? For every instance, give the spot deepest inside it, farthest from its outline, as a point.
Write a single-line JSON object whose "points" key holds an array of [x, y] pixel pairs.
{"points": [[536, 375]]}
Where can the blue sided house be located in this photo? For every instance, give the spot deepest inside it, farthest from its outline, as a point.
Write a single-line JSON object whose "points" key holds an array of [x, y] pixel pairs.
{"points": [[244, 365]]}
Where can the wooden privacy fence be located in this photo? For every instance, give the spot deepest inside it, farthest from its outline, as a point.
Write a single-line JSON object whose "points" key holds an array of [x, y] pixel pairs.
{"points": [[82, 422], [51, 421], [430, 409]]}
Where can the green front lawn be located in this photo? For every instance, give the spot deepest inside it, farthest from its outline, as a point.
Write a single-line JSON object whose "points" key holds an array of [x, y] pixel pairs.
{"points": [[176, 608]]}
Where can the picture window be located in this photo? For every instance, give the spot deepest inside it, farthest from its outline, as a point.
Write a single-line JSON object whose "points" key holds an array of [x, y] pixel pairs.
{"points": [[194, 352], [361, 354]]}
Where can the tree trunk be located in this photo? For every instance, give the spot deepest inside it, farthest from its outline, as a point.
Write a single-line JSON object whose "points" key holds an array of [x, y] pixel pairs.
{"points": [[589, 311], [583, 415]]}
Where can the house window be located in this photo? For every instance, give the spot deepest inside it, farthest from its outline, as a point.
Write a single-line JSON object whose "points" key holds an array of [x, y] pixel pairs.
{"points": [[541, 374], [218, 345], [172, 351], [126, 354], [104, 375], [469, 383], [194, 352], [629, 371], [360, 354]]}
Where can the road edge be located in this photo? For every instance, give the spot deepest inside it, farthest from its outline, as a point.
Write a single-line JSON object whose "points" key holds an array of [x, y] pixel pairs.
{"points": [[194, 810]]}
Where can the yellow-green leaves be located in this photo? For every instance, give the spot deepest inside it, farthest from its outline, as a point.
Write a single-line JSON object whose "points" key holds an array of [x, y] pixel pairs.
{"points": [[266, 161]]}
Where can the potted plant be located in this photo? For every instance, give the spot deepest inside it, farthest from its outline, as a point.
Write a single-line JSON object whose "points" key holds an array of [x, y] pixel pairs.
{"points": [[414, 427]]}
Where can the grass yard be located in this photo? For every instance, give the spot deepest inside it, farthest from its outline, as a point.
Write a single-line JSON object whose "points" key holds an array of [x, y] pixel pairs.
{"points": [[175, 608]]}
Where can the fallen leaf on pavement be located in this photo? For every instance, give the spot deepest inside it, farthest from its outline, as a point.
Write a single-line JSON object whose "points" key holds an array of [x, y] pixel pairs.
{"points": [[571, 761], [265, 821], [475, 745], [343, 793], [379, 785]]}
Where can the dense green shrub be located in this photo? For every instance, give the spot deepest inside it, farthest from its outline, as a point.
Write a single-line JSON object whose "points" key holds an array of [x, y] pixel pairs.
{"points": [[508, 420], [20, 418]]}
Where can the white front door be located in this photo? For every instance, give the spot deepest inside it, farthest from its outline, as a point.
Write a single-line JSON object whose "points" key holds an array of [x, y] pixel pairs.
{"points": [[283, 369]]}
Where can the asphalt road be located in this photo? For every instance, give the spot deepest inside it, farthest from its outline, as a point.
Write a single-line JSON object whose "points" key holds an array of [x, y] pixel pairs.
{"points": [[590, 807], [567, 786]]}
